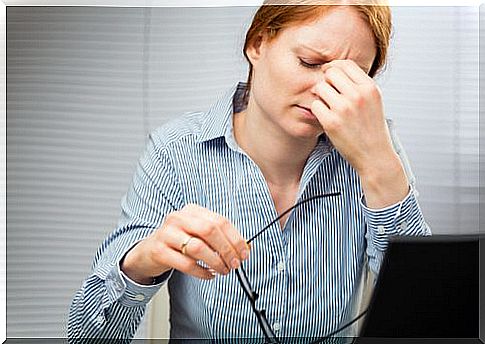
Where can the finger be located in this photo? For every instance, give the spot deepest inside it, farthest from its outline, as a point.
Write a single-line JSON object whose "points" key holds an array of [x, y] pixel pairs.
{"points": [[341, 82], [322, 112], [329, 95], [199, 250], [353, 71], [195, 248], [198, 223], [234, 237], [232, 244], [187, 265]]}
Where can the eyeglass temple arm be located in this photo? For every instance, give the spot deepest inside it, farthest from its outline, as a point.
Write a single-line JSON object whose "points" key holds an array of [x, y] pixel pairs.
{"points": [[319, 340], [290, 209], [260, 315]]}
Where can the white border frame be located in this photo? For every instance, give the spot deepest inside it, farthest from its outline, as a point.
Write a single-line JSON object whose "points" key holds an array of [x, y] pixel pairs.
{"points": [[119, 3], [212, 3], [3, 173]]}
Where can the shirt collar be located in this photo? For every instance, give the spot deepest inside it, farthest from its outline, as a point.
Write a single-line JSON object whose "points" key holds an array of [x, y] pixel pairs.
{"points": [[218, 120]]}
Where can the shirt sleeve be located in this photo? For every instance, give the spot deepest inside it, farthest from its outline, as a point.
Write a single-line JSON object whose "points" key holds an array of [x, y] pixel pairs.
{"points": [[109, 305], [402, 218]]}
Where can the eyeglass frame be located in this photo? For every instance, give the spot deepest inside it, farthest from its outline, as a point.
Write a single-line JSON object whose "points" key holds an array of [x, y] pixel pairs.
{"points": [[253, 295], [250, 293]]}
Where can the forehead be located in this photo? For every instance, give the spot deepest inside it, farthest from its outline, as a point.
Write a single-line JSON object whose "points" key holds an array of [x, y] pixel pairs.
{"points": [[340, 32]]}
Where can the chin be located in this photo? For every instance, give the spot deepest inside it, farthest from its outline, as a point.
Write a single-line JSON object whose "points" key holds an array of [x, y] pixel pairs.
{"points": [[305, 131]]}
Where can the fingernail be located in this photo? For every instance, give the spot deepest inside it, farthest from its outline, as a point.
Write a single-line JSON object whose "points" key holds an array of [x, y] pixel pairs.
{"points": [[235, 263], [244, 254]]}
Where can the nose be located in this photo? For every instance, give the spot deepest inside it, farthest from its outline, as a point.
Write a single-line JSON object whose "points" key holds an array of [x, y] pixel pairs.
{"points": [[318, 77], [316, 80]]}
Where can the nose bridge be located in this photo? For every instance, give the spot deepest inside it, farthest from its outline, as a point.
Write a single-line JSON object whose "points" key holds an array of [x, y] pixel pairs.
{"points": [[316, 77]]}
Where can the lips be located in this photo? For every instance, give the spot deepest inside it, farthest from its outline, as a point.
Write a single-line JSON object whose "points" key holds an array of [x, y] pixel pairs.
{"points": [[303, 107], [306, 110]]}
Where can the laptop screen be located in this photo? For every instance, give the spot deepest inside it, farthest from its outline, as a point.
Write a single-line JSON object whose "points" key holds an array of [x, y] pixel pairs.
{"points": [[428, 287]]}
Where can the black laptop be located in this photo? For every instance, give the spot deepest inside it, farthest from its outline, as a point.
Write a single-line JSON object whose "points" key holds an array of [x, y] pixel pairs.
{"points": [[428, 287]]}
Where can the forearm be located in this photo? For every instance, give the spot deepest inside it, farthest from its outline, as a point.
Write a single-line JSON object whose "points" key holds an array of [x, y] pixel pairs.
{"points": [[384, 182]]}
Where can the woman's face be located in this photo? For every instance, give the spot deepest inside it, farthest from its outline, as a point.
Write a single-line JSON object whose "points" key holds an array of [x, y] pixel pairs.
{"points": [[287, 68]]}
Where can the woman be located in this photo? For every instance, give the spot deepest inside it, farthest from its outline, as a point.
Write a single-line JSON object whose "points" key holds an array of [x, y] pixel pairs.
{"points": [[309, 126]]}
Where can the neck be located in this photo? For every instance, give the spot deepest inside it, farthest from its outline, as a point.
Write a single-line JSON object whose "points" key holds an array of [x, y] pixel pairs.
{"points": [[280, 157]]}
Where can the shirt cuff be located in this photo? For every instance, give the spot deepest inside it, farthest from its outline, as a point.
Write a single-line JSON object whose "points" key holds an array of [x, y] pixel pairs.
{"points": [[130, 293], [401, 218]]}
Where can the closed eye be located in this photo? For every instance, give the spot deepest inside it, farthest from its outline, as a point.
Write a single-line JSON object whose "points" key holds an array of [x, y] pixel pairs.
{"points": [[309, 65]]}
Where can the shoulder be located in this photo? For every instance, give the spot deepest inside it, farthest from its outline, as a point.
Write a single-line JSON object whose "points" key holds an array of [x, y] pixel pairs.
{"points": [[191, 129], [183, 129]]}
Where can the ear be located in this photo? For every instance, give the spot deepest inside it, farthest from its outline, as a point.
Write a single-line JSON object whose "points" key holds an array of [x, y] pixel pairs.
{"points": [[254, 49]]}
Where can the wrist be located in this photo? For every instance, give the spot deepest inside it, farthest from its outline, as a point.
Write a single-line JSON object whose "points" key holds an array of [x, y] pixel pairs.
{"points": [[384, 182], [128, 266], [136, 266]]}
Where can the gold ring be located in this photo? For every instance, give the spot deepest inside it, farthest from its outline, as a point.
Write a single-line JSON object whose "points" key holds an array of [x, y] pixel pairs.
{"points": [[183, 247]]}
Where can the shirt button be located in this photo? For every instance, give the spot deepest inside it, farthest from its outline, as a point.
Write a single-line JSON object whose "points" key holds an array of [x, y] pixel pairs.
{"points": [[100, 319], [276, 326], [381, 229], [404, 225], [281, 266], [139, 297]]}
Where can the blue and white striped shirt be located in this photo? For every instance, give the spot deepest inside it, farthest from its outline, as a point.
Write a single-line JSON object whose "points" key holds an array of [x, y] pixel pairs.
{"points": [[307, 274]]}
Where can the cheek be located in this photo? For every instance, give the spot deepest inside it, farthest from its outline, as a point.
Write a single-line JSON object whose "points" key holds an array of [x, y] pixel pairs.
{"points": [[289, 78], [300, 84], [281, 76], [279, 66], [295, 78]]}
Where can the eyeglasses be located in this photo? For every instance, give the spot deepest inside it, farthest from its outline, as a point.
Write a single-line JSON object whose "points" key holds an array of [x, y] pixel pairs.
{"points": [[252, 295]]}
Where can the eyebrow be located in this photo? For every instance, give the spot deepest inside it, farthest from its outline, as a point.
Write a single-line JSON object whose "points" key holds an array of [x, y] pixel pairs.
{"points": [[328, 58]]}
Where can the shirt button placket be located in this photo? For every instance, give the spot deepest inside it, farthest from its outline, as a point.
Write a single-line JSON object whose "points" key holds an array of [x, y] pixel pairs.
{"points": [[281, 267], [404, 225], [277, 327], [100, 319], [381, 230], [282, 282]]}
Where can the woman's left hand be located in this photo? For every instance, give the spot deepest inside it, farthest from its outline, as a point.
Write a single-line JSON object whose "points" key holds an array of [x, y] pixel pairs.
{"points": [[351, 113]]}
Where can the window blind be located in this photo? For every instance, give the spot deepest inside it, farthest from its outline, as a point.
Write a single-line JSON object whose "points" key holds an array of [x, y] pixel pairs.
{"points": [[431, 91], [74, 134], [85, 86]]}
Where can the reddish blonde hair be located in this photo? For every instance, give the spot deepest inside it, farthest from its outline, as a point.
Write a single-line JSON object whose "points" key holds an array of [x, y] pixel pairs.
{"points": [[274, 16]]}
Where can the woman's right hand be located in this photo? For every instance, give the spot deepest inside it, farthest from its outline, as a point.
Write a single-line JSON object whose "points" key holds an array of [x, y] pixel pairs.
{"points": [[186, 236]]}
